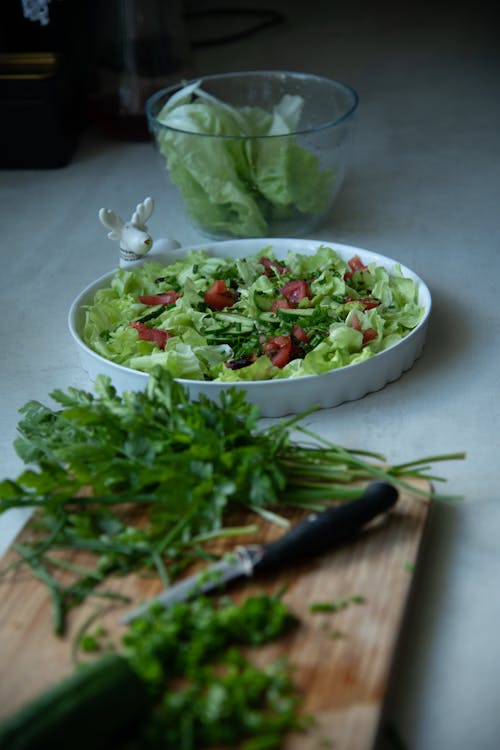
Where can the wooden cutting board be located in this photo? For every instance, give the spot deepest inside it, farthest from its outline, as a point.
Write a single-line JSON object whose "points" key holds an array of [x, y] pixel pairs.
{"points": [[340, 660]]}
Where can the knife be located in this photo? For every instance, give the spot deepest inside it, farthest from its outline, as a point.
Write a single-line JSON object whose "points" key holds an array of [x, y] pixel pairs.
{"points": [[312, 536]]}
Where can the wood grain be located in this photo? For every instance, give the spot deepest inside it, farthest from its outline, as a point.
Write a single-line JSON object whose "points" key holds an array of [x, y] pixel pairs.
{"points": [[340, 660]]}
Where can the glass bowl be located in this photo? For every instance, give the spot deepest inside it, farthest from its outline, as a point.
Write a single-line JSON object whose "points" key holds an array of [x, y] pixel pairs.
{"points": [[256, 153]]}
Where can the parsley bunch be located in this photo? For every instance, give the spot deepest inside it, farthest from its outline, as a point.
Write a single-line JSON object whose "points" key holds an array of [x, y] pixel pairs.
{"points": [[184, 464]]}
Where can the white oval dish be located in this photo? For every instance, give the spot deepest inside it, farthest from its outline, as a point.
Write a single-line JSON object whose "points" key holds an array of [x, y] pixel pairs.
{"points": [[275, 398]]}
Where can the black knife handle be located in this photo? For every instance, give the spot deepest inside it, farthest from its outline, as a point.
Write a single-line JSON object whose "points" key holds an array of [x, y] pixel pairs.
{"points": [[322, 531]]}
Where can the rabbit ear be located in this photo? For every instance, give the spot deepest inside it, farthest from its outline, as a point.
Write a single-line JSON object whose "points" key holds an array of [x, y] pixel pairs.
{"points": [[143, 211], [111, 221]]}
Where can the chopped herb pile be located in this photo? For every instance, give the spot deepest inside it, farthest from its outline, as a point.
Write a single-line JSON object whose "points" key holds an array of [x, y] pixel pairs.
{"points": [[207, 690], [184, 464], [178, 640], [241, 704]]}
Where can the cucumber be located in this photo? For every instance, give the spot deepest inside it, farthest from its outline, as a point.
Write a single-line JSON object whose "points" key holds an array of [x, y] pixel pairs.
{"points": [[296, 312], [99, 703], [286, 314], [234, 318]]}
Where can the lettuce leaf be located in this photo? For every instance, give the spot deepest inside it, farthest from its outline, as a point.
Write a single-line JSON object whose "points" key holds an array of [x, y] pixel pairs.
{"points": [[231, 184]]}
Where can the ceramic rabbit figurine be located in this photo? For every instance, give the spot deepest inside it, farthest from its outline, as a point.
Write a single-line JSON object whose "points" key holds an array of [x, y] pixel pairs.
{"points": [[135, 241]]}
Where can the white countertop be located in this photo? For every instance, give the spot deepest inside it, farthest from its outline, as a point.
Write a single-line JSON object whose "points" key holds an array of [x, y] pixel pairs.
{"points": [[423, 188]]}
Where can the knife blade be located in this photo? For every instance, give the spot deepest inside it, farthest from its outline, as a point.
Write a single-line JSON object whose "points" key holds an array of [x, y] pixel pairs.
{"points": [[314, 535]]}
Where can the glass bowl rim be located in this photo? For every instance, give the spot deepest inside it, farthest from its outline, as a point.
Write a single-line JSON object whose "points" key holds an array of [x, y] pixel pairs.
{"points": [[349, 90]]}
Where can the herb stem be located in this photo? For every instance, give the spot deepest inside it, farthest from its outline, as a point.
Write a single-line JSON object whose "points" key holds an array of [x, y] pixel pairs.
{"points": [[226, 532], [40, 572], [160, 567], [429, 459]]}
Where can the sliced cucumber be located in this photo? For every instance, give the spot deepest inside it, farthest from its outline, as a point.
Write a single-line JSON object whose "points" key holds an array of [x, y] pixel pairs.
{"points": [[296, 312], [234, 318]]}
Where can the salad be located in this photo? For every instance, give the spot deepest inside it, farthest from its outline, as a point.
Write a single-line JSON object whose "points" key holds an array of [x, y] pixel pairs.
{"points": [[255, 318]]}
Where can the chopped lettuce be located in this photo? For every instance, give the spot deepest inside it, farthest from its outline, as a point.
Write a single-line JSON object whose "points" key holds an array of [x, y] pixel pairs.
{"points": [[347, 317], [234, 185]]}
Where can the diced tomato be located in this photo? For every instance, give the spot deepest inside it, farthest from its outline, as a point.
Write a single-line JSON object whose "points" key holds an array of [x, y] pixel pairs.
{"points": [[355, 264], [299, 341], [369, 334], [354, 322], [219, 296], [370, 302], [367, 302], [282, 304], [156, 335], [272, 264], [278, 349], [294, 291], [165, 298], [299, 334]]}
